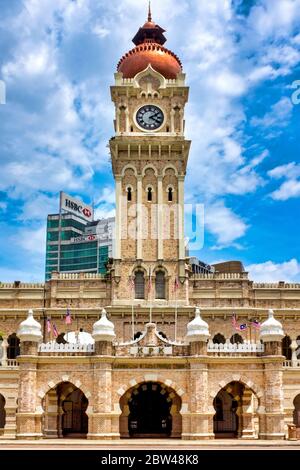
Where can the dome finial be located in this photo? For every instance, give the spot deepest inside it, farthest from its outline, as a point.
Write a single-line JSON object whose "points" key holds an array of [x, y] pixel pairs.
{"points": [[149, 12]]}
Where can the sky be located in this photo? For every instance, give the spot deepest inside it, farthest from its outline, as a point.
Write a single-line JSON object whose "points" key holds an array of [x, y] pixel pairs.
{"points": [[242, 60]]}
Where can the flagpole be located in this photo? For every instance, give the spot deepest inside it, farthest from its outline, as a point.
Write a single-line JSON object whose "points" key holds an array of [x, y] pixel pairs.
{"points": [[150, 293], [132, 318], [176, 314]]}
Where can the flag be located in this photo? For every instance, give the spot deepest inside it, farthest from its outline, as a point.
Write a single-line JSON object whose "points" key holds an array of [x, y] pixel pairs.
{"points": [[55, 332], [234, 321], [68, 319], [49, 328], [131, 283], [255, 324], [176, 284], [235, 324]]}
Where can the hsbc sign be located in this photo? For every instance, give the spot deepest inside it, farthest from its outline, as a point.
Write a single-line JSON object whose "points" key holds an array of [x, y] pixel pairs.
{"points": [[86, 238], [75, 206]]}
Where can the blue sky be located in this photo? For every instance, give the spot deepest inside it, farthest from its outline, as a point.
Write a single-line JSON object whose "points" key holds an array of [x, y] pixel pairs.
{"points": [[57, 60]]}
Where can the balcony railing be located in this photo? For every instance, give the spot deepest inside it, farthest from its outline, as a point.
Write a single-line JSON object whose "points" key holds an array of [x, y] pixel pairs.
{"points": [[53, 347], [8, 363], [291, 364], [236, 348]]}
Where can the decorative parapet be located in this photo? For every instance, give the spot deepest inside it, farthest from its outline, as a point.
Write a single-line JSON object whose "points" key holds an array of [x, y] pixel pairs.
{"points": [[54, 347], [21, 285], [236, 348], [9, 364], [220, 276], [276, 285], [77, 276], [291, 364]]}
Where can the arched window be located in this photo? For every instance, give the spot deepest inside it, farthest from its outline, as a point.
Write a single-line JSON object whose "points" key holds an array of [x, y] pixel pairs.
{"points": [[129, 194], [236, 339], [219, 339], [137, 335], [286, 349], [149, 195], [160, 285], [13, 349], [139, 285], [163, 335], [170, 194], [60, 339]]}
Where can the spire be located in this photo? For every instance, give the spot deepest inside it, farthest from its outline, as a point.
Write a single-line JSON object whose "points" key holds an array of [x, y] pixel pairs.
{"points": [[149, 13]]}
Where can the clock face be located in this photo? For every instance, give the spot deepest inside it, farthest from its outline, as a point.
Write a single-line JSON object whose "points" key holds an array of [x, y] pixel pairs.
{"points": [[150, 117]]}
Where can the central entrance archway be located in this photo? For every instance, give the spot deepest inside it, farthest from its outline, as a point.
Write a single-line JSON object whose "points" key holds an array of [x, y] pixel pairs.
{"points": [[150, 410]]}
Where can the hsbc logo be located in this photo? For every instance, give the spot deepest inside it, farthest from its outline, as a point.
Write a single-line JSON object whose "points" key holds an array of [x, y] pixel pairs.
{"points": [[87, 212], [76, 207]]}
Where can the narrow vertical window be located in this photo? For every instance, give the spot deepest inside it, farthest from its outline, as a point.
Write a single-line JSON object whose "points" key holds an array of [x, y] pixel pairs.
{"points": [[170, 194], [129, 194], [139, 285], [149, 194], [160, 285]]}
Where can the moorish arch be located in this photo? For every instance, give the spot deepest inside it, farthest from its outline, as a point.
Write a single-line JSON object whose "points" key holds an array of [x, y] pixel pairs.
{"points": [[236, 406], [65, 408], [150, 410], [173, 392]]}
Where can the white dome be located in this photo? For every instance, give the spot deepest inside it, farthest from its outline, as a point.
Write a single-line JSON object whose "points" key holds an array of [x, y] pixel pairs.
{"points": [[197, 329], [30, 329], [103, 329], [271, 329]]}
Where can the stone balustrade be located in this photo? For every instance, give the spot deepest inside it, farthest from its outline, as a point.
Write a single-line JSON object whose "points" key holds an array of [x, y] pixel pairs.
{"points": [[291, 364], [236, 348], [54, 347]]}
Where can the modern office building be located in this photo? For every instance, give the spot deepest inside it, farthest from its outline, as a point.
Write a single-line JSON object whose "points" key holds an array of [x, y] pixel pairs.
{"points": [[76, 245]]}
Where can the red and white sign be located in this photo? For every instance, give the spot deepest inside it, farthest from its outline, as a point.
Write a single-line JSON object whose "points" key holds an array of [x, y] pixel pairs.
{"points": [[75, 206], [84, 238]]}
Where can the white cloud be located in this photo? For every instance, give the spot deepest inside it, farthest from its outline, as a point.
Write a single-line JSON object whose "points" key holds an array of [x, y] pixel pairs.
{"points": [[290, 170], [224, 224], [289, 188], [278, 116], [38, 207], [269, 271], [32, 240]]}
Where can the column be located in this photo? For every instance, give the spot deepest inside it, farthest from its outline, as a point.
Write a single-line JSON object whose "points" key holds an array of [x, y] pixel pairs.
{"points": [[181, 217], [118, 226], [160, 253], [198, 422], [139, 252]]}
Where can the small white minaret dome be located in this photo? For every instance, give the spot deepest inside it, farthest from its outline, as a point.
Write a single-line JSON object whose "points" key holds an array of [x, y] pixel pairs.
{"points": [[271, 329], [30, 329], [103, 329], [197, 329]]}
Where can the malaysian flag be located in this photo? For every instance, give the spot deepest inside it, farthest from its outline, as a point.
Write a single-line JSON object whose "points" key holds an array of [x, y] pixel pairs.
{"points": [[176, 284], [68, 318], [131, 283], [55, 332], [235, 324], [256, 324], [49, 328]]}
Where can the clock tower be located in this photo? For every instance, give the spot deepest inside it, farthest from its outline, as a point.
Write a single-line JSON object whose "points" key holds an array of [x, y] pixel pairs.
{"points": [[149, 155]]}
